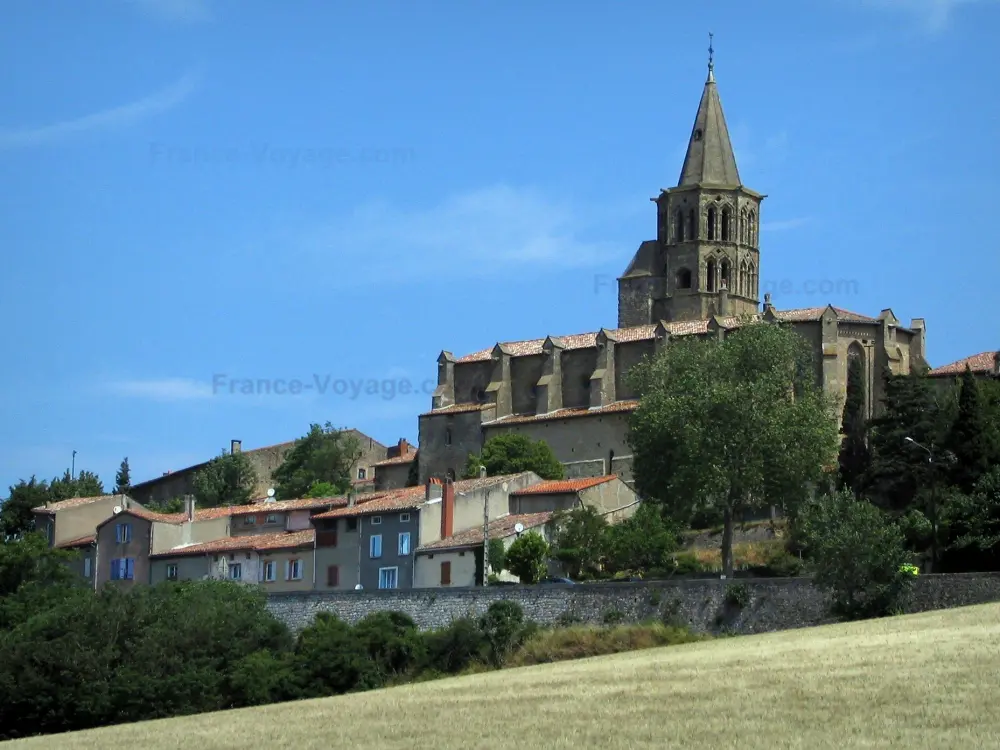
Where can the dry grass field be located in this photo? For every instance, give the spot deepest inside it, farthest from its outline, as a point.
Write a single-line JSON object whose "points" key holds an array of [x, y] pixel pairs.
{"points": [[916, 682]]}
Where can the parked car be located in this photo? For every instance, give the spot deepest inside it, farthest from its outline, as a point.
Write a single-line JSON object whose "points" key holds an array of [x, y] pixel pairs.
{"points": [[563, 581]]}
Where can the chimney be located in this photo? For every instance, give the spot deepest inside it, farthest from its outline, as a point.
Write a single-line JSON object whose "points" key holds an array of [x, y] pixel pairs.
{"points": [[447, 509], [723, 298], [433, 491], [352, 498], [404, 447], [189, 507], [235, 446]]}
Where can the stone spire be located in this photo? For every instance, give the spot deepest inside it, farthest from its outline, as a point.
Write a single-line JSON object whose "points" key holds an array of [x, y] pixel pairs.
{"points": [[710, 159]]}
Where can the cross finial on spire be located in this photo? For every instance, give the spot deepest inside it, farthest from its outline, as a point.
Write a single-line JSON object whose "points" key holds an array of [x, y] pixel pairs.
{"points": [[711, 56]]}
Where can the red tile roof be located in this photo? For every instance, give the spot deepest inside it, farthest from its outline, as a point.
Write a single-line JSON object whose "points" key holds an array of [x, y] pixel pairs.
{"points": [[986, 362], [617, 406], [82, 541], [249, 543], [73, 502], [804, 314], [562, 486], [407, 458], [499, 528], [279, 506], [457, 409]]}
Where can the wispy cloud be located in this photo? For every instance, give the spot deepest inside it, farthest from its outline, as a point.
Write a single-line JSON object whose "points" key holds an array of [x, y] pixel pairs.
{"points": [[182, 11], [784, 224], [472, 234], [933, 16], [162, 389], [116, 117]]}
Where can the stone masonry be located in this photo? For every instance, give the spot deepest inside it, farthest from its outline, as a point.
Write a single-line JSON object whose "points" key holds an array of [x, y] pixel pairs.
{"points": [[701, 604]]}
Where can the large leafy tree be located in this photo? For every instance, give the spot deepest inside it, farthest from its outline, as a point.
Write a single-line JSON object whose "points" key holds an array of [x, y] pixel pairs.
{"points": [[325, 454], [854, 454], [84, 484], [16, 518], [526, 557], [974, 525], [645, 542], [732, 424], [123, 479], [973, 437], [511, 454], [228, 479]]}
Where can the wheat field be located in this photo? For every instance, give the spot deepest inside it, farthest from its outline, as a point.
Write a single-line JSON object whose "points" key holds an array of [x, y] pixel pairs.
{"points": [[921, 681]]}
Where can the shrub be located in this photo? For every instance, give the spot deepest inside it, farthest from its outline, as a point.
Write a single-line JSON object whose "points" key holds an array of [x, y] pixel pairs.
{"points": [[613, 617], [567, 619], [737, 595], [330, 659], [526, 557], [686, 563], [454, 648], [584, 641], [858, 555], [392, 641], [502, 627]]}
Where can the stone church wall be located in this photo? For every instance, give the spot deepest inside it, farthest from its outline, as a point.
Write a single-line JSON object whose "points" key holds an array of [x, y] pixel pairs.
{"points": [[447, 439]]}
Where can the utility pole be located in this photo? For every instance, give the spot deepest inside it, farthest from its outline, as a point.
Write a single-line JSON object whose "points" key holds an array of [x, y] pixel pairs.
{"points": [[486, 532], [72, 470]]}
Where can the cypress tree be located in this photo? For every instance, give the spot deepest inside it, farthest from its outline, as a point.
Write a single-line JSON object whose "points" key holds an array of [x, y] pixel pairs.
{"points": [[855, 457], [123, 479], [973, 436]]}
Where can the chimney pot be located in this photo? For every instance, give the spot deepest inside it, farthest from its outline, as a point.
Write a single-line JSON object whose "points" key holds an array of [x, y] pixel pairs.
{"points": [[189, 507], [235, 446], [447, 509]]}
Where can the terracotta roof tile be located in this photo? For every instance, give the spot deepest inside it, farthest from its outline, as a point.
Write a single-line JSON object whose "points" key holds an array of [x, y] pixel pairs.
{"points": [[249, 543], [406, 458], [561, 486], [280, 506], [499, 528], [78, 542], [457, 409], [803, 314], [617, 406], [985, 362], [73, 502]]}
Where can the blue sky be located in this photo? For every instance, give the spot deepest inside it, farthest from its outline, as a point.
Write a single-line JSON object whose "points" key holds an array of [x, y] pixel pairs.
{"points": [[210, 189]]}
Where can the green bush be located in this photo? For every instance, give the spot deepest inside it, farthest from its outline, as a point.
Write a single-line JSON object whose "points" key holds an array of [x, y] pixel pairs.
{"points": [[613, 617], [737, 595], [584, 641], [685, 563], [392, 642], [452, 649], [503, 628]]}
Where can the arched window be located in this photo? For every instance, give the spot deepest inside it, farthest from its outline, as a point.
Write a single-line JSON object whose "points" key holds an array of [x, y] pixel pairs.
{"points": [[679, 228], [684, 279], [724, 277], [710, 276], [727, 224], [692, 233], [751, 229], [857, 377], [754, 289], [711, 223], [478, 395], [447, 436], [744, 283]]}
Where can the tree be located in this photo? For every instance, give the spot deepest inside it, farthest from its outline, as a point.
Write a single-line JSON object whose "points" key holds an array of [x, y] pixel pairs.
{"points": [[330, 659], [85, 484], [858, 555], [854, 454], [973, 437], [322, 489], [512, 454], [527, 556], [228, 479], [16, 518], [123, 479], [30, 560], [579, 541], [974, 523], [644, 542], [413, 476], [496, 555], [503, 628], [734, 424], [899, 470], [324, 454]]}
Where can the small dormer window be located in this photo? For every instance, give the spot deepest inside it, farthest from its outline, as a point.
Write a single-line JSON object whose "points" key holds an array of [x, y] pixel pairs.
{"points": [[697, 134]]}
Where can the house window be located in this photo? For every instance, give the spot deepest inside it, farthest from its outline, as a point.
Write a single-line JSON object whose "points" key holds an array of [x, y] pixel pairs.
{"points": [[404, 544], [683, 279], [446, 573], [388, 578], [404, 517], [376, 520], [86, 567], [362, 474], [269, 571], [333, 576], [171, 572], [123, 533], [351, 524], [451, 474], [271, 518], [375, 546], [123, 569], [249, 520], [236, 571], [447, 436], [294, 570]]}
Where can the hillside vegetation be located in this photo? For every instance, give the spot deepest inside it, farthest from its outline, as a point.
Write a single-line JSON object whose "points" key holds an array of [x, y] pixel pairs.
{"points": [[921, 681]]}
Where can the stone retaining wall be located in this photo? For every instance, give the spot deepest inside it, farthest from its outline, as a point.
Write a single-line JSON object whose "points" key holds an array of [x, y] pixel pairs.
{"points": [[703, 605]]}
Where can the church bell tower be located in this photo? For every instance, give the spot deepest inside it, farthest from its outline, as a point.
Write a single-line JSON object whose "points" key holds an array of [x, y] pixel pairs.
{"points": [[705, 259]]}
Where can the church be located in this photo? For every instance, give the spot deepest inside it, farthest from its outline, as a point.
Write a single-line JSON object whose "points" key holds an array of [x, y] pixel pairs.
{"points": [[699, 276]]}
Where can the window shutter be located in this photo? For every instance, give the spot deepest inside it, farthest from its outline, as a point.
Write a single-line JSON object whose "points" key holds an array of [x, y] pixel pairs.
{"points": [[129, 568], [288, 570], [446, 573]]}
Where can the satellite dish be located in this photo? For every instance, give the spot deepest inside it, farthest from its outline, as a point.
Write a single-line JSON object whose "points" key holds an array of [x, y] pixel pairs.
{"points": [[518, 527], [504, 486], [270, 492], [358, 587], [116, 510]]}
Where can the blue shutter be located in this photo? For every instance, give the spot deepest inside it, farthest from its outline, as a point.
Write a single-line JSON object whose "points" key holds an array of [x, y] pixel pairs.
{"points": [[129, 568], [114, 570]]}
